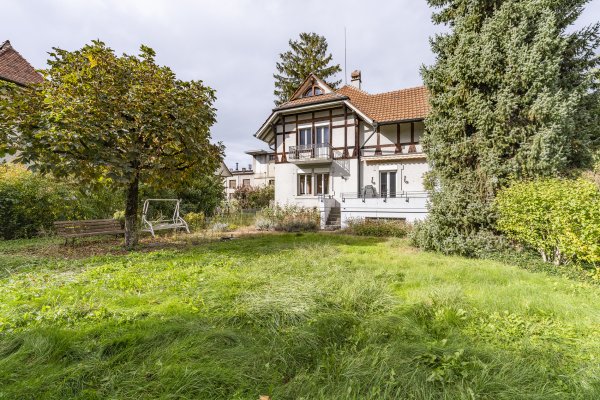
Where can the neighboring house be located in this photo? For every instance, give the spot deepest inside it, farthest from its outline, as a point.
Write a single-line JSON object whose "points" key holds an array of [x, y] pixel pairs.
{"points": [[350, 153], [15, 69], [239, 178], [223, 171], [263, 166], [260, 173], [225, 174]]}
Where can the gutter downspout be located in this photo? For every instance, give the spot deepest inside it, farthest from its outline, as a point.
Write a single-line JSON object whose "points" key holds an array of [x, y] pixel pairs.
{"points": [[375, 125]]}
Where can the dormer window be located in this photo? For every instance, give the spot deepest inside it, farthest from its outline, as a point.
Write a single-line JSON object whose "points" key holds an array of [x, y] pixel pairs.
{"points": [[313, 91]]}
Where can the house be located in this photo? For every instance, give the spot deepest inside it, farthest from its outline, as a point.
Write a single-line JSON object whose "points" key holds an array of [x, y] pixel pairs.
{"points": [[239, 177], [15, 69], [263, 166], [350, 153], [260, 173]]}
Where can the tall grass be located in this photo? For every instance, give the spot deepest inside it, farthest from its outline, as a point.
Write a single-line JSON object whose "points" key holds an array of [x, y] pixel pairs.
{"points": [[311, 316]]}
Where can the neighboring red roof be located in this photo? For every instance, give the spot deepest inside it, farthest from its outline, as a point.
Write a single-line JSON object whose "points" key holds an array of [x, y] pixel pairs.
{"points": [[399, 105], [14, 68]]}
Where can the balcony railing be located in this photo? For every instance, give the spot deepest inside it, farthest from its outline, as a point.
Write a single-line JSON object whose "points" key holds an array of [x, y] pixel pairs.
{"points": [[365, 195], [310, 152], [403, 150]]}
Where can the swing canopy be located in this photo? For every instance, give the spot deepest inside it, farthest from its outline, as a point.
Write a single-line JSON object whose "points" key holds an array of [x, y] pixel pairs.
{"points": [[160, 214]]}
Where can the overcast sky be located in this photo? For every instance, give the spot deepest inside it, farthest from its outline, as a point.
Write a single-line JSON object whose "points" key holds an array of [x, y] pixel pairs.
{"points": [[233, 45]]}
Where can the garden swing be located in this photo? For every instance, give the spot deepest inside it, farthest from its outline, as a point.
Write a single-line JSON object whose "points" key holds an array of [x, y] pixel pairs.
{"points": [[153, 218]]}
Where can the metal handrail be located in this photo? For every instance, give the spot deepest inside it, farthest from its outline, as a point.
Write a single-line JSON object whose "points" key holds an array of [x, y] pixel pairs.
{"points": [[310, 151], [384, 196]]}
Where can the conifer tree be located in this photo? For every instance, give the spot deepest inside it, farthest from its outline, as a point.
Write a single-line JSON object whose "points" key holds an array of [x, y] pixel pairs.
{"points": [[309, 54], [514, 95]]}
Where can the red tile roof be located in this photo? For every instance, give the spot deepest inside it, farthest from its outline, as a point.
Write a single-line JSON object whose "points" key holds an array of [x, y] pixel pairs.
{"points": [[399, 105], [14, 68], [302, 101]]}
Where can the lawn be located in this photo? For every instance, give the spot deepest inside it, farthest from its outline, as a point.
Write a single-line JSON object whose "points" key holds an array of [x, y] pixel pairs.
{"points": [[296, 316]]}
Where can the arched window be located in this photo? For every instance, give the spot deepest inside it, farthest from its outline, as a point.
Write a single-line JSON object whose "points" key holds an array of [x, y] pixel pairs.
{"points": [[313, 91]]}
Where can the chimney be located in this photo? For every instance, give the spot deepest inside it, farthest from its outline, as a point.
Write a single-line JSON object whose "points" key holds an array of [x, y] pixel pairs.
{"points": [[355, 78], [249, 167], [236, 166]]}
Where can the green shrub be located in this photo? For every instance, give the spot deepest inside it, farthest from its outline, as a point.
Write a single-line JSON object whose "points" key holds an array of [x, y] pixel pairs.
{"points": [[196, 221], [290, 218], [560, 218], [378, 227], [264, 224], [254, 197], [30, 203], [429, 235], [119, 215]]}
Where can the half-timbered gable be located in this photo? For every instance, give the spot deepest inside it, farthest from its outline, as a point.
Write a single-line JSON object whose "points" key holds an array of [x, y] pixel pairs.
{"points": [[347, 145]]}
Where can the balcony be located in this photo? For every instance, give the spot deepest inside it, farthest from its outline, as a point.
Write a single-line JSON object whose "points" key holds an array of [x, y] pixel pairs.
{"points": [[310, 154]]}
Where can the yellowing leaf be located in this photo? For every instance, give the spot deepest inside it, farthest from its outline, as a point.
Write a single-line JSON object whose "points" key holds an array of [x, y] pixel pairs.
{"points": [[92, 60]]}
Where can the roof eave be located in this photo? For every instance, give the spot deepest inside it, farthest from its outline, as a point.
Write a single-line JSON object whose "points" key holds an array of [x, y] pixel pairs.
{"points": [[21, 84], [331, 100], [398, 121]]}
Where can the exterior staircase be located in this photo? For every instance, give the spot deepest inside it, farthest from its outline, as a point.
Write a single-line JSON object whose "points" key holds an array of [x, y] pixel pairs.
{"points": [[334, 219]]}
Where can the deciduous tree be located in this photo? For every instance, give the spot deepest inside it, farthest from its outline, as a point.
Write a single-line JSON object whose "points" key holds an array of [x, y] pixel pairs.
{"points": [[123, 119]]}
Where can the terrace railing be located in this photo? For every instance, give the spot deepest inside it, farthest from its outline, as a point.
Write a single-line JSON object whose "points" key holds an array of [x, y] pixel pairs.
{"points": [[307, 152], [367, 194]]}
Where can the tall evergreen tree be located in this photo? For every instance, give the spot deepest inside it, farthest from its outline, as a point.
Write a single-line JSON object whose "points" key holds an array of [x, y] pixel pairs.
{"points": [[514, 94], [309, 54]]}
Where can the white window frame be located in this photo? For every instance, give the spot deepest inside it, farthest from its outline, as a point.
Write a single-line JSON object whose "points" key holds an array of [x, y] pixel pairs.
{"points": [[317, 133], [324, 186], [388, 175], [304, 187], [302, 130], [310, 190]]}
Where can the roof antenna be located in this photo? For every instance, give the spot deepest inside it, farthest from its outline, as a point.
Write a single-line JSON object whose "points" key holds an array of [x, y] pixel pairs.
{"points": [[345, 66]]}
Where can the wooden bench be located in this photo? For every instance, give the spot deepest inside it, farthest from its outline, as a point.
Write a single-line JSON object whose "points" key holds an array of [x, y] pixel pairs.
{"points": [[92, 227]]}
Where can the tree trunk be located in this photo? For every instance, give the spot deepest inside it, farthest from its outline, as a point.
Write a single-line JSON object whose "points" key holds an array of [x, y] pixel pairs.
{"points": [[131, 211]]}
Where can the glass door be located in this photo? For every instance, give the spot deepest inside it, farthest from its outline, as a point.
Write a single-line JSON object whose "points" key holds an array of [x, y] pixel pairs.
{"points": [[322, 181], [387, 183], [322, 141]]}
